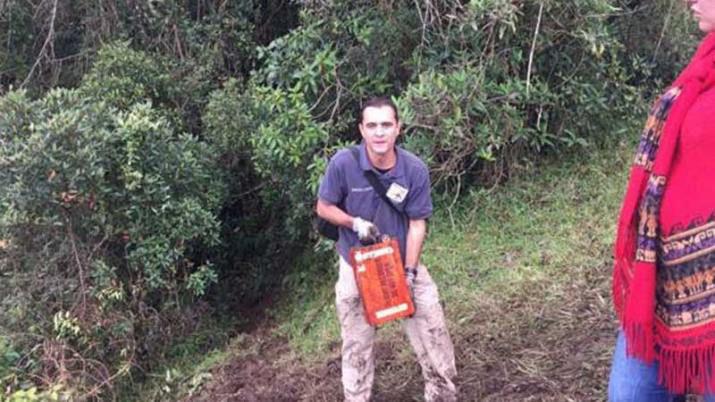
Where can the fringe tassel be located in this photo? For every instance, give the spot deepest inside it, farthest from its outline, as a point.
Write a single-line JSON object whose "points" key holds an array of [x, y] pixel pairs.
{"points": [[689, 370], [640, 341], [622, 272], [638, 316]]}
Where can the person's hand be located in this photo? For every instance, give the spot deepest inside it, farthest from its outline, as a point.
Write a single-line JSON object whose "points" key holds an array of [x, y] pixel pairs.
{"points": [[411, 276], [367, 231]]}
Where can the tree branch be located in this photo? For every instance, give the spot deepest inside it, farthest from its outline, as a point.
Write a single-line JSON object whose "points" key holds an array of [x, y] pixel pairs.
{"points": [[533, 48], [662, 32], [49, 43]]}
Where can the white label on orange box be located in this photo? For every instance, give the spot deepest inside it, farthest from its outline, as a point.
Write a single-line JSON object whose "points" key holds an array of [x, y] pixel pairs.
{"points": [[380, 314], [379, 252]]}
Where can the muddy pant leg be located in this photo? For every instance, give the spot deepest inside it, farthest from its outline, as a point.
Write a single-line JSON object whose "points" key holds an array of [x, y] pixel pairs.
{"points": [[430, 340], [358, 362]]}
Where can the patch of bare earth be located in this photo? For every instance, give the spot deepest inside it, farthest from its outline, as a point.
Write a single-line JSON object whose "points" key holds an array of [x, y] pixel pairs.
{"points": [[548, 338]]}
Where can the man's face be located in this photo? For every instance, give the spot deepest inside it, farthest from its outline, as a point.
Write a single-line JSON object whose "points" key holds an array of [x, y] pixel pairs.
{"points": [[379, 129], [704, 12]]}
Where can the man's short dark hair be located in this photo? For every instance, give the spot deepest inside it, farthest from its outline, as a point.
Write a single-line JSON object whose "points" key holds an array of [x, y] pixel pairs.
{"points": [[379, 101]]}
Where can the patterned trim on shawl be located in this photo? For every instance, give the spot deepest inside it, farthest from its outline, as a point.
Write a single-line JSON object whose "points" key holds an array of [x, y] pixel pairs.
{"points": [[686, 277], [650, 137], [648, 220]]}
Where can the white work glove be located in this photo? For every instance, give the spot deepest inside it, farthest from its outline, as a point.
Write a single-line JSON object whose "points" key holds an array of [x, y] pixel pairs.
{"points": [[367, 231]]}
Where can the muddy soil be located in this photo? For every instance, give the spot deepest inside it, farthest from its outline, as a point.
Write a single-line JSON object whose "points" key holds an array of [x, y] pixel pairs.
{"points": [[550, 340]]}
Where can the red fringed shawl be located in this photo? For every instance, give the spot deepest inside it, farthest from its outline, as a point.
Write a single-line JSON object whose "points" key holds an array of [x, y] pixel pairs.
{"points": [[664, 286]]}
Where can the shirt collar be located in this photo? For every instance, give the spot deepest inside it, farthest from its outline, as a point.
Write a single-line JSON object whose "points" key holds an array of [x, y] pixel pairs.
{"points": [[364, 161], [397, 171]]}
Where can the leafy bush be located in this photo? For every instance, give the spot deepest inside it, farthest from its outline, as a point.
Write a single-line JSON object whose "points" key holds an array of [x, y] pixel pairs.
{"points": [[506, 79], [53, 393], [459, 117], [267, 140], [106, 206], [123, 77]]}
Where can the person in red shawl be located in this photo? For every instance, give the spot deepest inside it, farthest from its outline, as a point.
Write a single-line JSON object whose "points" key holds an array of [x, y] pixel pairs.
{"points": [[664, 273]]}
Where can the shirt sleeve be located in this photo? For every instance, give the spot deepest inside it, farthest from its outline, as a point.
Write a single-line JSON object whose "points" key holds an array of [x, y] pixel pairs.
{"points": [[419, 199], [332, 185]]}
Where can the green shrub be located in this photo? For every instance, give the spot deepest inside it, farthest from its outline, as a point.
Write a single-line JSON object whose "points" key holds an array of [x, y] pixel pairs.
{"points": [[105, 206], [505, 80], [54, 393], [268, 143], [457, 118], [122, 77]]}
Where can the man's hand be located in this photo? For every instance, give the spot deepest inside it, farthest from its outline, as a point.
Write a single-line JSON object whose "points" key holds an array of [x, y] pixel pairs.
{"points": [[367, 231]]}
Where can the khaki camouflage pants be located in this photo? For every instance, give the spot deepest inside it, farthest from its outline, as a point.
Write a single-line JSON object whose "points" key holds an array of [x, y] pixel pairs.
{"points": [[426, 331]]}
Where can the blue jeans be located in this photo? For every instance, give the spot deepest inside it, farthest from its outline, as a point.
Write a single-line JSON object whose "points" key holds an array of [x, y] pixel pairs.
{"points": [[632, 380]]}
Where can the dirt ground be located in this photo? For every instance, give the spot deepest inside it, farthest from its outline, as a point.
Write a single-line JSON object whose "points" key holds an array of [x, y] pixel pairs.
{"points": [[547, 340], [512, 349]]}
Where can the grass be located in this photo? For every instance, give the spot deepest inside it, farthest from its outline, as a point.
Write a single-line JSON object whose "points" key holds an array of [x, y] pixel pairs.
{"points": [[187, 364], [552, 222], [523, 271]]}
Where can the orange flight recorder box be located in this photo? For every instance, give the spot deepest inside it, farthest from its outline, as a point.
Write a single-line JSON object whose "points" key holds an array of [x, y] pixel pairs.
{"points": [[381, 281]]}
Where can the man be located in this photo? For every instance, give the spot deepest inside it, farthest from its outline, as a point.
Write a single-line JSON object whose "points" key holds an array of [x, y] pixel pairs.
{"points": [[364, 214]]}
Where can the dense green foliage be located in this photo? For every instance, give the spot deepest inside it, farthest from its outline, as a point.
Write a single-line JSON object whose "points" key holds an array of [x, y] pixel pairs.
{"points": [[105, 206], [153, 154]]}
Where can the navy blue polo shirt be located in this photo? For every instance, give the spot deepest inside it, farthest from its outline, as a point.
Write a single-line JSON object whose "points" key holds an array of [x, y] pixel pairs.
{"points": [[345, 185]]}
